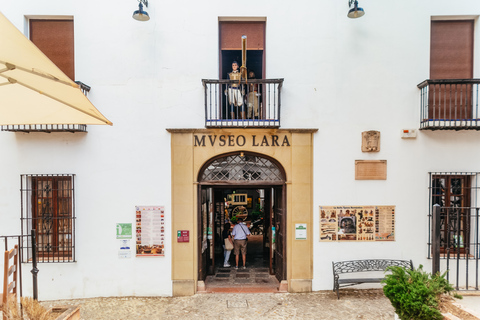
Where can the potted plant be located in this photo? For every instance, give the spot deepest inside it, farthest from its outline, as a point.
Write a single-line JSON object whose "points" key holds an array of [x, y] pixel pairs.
{"points": [[415, 294]]}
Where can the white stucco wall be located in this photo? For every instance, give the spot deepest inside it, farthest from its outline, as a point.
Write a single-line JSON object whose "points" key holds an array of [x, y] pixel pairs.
{"points": [[342, 76]]}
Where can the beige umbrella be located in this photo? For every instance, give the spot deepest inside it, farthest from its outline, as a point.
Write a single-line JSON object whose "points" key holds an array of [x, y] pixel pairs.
{"points": [[33, 90]]}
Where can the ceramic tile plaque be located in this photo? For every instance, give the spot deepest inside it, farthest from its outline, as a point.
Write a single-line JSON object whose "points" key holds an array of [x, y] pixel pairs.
{"points": [[370, 169]]}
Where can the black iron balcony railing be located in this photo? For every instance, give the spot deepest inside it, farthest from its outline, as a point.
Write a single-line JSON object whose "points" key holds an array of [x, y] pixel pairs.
{"points": [[450, 104], [251, 103]]}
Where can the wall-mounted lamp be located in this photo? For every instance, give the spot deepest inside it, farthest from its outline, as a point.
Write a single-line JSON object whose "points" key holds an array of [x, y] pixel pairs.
{"points": [[139, 14], [356, 12]]}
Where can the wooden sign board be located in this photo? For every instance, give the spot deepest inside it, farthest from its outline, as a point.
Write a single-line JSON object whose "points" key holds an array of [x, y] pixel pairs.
{"points": [[370, 169]]}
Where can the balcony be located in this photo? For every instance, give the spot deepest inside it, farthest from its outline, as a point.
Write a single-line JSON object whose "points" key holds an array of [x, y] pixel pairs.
{"points": [[244, 104], [449, 104]]}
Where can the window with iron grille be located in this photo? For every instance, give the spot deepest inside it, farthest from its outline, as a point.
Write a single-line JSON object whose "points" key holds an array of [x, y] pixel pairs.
{"points": [[456, 194], [48, 207]]}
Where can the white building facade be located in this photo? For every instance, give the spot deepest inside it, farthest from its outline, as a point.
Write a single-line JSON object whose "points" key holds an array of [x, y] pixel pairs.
{"points": [[341, 77]]}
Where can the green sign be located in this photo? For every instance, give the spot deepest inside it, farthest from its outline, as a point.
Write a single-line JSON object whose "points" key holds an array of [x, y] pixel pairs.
{"points": [[124, 231]]}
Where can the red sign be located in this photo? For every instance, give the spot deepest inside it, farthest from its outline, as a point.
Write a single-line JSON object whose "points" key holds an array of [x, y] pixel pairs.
{"points": [[183, 236]]}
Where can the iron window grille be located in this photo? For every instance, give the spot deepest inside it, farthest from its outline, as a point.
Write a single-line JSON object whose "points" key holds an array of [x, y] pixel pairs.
{"points": [[48, 206], [456, 194], [238, 168]]}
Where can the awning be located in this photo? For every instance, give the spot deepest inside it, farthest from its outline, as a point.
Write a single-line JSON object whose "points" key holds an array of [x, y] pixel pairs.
{"points": [[33, 90]]}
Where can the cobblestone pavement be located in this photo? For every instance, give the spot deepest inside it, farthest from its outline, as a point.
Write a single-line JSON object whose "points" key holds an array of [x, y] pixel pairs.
{"points": [[353, 304]]}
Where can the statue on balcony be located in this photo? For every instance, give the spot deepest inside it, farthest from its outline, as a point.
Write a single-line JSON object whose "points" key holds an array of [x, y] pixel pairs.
{"points": [[253, 97], [235, 93]]}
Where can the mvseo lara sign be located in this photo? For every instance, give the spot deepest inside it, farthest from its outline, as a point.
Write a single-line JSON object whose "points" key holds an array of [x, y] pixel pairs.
{"points": [[213, 140]]}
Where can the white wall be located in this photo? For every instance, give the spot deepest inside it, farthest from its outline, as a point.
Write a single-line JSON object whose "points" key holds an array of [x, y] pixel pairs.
{"points": [[342, 76]]}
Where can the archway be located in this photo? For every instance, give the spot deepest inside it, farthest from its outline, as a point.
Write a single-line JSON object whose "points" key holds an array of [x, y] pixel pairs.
{"points": [[252, 186]]}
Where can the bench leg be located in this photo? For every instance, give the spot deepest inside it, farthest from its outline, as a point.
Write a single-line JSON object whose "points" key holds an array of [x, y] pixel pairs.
{"points": [[335, 289]]}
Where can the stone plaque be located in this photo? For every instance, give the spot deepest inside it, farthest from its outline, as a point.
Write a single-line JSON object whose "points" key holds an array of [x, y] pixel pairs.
{"points": [[371, 141], [370, 169]]}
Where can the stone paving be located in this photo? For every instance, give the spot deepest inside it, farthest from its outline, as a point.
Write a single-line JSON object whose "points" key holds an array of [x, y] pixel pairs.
{"points": [[241, 280], [353, 304]]}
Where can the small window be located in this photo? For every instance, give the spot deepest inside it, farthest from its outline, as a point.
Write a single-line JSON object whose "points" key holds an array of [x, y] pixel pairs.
{"points": [[237, 199], [48, 207]]}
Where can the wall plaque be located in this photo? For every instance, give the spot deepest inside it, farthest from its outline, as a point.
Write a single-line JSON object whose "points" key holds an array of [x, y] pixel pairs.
{"points": [[370, 169], [183, 236], [371, 141]]}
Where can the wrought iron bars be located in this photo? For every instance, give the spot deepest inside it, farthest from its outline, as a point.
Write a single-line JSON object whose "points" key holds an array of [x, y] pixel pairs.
{"points": [[456, 195], [48, 205], [242, 168], [251, 103], [450, 104]]}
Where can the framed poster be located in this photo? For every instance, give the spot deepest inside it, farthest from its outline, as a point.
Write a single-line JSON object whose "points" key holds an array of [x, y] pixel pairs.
{"points": [[357, 223], [150, 231]]}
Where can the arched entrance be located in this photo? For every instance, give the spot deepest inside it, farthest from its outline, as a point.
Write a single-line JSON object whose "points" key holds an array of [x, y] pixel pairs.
{"points": [[248, 185]]}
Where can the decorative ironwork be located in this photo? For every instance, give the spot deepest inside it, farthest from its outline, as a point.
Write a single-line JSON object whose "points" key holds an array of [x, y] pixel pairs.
{"points": [[455, 193], [257, 103], [458, 231], [242, 168], [369, 265], [48, 207], [450, 104]]}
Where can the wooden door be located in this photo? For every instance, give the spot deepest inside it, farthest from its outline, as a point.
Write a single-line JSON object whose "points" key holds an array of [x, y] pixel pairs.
{"points": [[451, 57], [279, 221], [201, 234], [211, 231], [268, 234]]}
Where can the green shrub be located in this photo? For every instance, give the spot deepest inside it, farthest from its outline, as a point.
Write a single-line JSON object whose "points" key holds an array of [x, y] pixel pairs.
{"points": [[414, 293]]}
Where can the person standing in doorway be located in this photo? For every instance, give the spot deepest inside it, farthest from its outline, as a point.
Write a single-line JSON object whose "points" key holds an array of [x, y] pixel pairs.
{"points": [[240, 234], [226, 235]]}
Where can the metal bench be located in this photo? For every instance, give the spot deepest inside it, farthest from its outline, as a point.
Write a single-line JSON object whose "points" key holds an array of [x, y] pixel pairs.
{"points": [[356, 266]]}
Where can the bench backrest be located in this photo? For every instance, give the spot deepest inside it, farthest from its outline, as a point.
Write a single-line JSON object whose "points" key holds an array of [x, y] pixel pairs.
{"points": [[368, 265]]}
